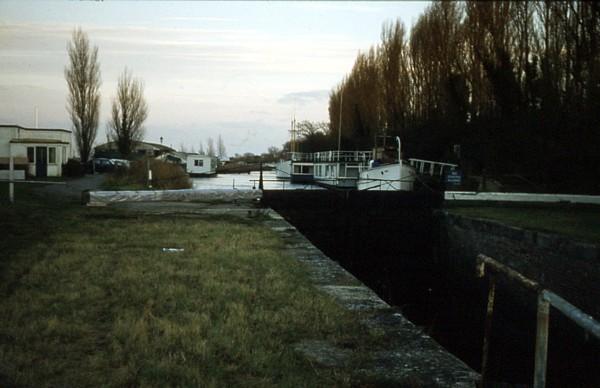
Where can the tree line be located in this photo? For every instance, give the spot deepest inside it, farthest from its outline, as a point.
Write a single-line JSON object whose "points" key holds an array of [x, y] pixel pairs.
{"points": [[210, 150], [129, 109], [516, 85]]}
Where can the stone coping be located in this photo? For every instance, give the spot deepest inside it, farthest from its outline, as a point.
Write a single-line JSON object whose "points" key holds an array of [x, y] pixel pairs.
{"points": [[409, 355]]}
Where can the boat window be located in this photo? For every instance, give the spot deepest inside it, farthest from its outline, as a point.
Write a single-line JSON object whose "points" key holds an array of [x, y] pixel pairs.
{"points": [[30, 154], [198, 162]]}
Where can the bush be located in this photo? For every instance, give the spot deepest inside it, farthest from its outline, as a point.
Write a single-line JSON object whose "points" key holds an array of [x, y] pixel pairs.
{"points": [[73, 168], [164, 175]]}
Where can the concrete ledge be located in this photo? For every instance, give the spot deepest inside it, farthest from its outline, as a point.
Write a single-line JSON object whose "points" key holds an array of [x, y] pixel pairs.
{"points": [[542, 240], [17, 174], [101, 198], [521, 197]]}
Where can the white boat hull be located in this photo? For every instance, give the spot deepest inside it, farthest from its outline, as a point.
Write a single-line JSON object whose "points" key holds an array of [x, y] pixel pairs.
{"points": [[388, 177], [283, 169]]}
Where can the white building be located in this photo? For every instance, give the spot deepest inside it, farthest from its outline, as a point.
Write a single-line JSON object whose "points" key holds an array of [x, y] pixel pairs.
{"points": [[40, 151], [197, 164]]}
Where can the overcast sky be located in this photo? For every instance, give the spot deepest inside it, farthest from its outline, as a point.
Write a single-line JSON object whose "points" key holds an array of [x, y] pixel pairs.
{"points": [[237, 69]]}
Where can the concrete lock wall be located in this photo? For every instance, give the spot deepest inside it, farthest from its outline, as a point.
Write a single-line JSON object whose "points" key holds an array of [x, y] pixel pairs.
{"points": [[567, 267]]}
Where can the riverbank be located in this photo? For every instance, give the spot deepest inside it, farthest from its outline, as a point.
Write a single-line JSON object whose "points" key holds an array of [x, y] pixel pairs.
{"points": [[110, 297], [577, 222]]}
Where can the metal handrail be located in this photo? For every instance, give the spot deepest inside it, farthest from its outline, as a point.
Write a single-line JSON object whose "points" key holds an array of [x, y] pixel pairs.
{"points": [[546, 298], [421, 164]]}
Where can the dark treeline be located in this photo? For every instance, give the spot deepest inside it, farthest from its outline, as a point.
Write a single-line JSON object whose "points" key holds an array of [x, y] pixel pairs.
{"points": [[515, 84]]}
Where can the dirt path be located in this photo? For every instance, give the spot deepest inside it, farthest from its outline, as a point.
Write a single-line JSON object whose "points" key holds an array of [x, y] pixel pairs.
{"points": [[72, 188]]}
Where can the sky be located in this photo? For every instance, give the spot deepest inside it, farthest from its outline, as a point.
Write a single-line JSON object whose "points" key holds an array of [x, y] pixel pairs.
{"points": [[240, 70]]}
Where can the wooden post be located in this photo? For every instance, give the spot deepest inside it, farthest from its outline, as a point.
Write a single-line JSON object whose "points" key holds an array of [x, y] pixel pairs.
{"points": [[541, 342], [11, 184], [260, 178]]}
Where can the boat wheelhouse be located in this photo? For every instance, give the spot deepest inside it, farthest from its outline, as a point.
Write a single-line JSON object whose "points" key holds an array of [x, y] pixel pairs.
{"points": [[298, 168], [340, 168]]}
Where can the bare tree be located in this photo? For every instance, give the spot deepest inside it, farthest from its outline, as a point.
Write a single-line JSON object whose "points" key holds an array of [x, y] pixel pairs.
{"points": [[129, 111], [210, 147], [201, 148], [83, 81], [309, 128], [221, 148]]}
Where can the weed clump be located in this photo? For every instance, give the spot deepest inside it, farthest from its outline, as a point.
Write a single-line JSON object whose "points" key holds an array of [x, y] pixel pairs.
{"points": [[164, 176]]}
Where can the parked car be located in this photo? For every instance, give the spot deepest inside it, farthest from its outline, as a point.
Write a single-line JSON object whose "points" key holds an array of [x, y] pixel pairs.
{"points": [[120, 163], [103, 165]]}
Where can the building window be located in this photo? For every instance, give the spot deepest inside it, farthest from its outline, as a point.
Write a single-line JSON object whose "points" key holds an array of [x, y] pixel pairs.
{"points": [[198, 162], [30, 154], [51, 155]]}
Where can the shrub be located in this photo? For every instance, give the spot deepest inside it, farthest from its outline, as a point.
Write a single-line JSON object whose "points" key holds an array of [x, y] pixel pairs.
{"points": [[164, 175], [73, 168]]}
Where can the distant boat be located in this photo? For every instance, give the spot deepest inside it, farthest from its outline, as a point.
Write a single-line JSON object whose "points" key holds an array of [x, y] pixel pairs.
{"points": [[381, 169], [298, 167]]}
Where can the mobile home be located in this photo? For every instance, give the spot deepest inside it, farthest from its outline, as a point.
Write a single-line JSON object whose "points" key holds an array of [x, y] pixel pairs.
{"points": [[200, 165], [41, 152]]}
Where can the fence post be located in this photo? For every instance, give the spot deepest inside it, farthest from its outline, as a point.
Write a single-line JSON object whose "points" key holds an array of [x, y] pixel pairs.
{"points": [[488, 330], [541, 342], [11, 184]]}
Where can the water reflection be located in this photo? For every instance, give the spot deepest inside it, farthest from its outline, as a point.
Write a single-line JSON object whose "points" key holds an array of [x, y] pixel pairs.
{"points": [[249, 181]]}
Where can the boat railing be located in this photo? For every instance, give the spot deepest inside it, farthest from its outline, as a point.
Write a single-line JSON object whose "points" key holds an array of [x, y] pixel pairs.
{"points": [[430, 167], [300, 156], [342, 156]]}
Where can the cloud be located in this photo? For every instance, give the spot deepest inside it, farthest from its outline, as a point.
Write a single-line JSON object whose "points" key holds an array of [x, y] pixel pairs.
{"points": [[198, 19], [302, 98]]}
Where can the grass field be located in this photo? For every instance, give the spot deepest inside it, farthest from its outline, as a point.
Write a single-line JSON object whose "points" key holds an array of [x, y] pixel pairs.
{"points": [[88, 297], [580, 223]]}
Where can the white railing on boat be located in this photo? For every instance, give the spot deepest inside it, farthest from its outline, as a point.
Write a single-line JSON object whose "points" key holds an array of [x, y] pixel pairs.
{"points": [[300, 156], [429, 167], [342, 156]]}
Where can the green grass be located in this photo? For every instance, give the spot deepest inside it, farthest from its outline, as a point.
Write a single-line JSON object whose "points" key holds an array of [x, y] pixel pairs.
{"points": [[580, 223], [88, 298]]}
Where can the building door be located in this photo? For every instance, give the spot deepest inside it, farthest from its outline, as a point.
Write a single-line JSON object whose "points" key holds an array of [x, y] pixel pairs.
{"points": [[41, 161]]}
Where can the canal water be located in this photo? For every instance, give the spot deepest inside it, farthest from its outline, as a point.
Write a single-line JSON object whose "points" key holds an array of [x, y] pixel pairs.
{"points": [[390, 241]]}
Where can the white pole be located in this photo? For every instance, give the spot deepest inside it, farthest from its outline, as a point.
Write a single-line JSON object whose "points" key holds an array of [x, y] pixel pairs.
{"points": [[11, 185], [340, 123], [149, 174], [399, 162], [35, 121]]}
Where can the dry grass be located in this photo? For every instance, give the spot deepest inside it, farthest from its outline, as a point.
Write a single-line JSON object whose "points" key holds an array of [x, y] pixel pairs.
{"points": [[164, 176], [88, 298], [579, 223]]}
